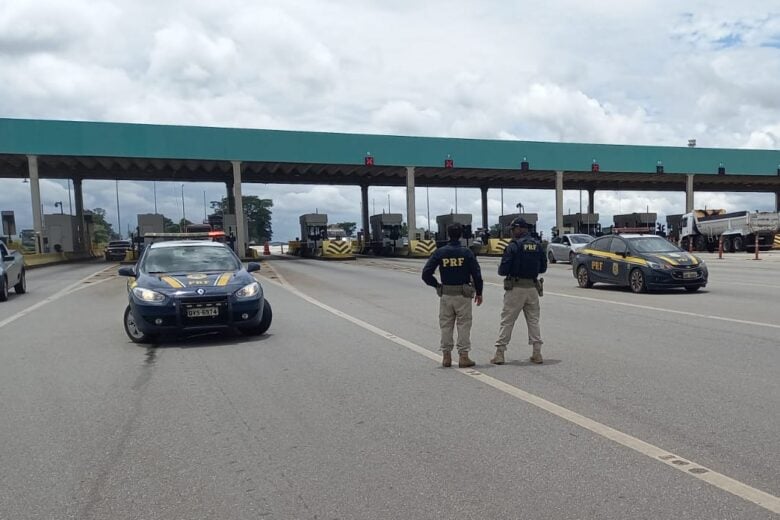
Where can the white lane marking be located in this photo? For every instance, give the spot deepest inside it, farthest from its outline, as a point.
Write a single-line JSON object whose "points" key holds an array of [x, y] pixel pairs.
{"points": [[72, 288], [690, 468]]}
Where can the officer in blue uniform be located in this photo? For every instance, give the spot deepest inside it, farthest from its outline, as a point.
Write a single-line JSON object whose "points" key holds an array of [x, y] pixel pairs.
{"points": [[461, 280], [523, 261]]}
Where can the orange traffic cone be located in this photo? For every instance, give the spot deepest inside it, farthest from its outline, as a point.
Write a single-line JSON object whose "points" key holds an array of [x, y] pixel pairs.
{"points": [[266, 248]]}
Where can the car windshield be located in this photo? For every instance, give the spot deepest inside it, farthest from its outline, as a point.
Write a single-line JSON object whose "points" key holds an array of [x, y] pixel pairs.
{"points": [[190, 258], [580, 239], [652, 245]]}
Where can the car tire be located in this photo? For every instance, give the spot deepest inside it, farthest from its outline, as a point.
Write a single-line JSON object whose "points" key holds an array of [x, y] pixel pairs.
{"points": [[583, 278], [738, 243], [265, 322], [3, 289], [133, 332], [636, 281], [550, 257], [21, 287], [727, 245], [572, 255], [692, 288]]}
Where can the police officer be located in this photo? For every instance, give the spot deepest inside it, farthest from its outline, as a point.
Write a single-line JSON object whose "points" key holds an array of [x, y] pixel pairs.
{"points": [[461, 280], [523, 261]]}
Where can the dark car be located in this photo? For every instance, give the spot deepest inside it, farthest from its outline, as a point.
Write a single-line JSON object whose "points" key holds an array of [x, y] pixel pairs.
{"points": [[191, 286], [117, 249], [641, 262]]}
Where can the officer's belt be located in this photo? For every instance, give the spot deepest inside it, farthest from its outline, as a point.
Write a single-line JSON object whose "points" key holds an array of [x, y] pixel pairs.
{"points": [[521, 282], [452, 290]]}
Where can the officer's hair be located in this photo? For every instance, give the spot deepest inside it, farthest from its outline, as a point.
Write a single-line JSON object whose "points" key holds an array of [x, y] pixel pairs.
{"points": [[454, 231]]}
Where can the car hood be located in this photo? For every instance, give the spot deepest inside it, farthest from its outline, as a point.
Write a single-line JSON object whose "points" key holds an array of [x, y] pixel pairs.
{"points": [[212, 282], [675, 259]]}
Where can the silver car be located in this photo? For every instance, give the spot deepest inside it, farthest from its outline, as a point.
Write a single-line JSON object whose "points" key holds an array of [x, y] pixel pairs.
{"points": [[564, 247]]}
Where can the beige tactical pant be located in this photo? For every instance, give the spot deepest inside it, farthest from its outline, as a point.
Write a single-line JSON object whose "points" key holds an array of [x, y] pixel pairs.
{"points": [[524, 299], [455, 309]]}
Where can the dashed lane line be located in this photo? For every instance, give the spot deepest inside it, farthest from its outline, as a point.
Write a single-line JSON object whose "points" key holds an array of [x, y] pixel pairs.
{"points": [[688, 467], [72, 288]]}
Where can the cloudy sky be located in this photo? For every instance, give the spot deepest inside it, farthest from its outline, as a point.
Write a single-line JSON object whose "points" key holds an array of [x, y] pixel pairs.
{"points": [[609, 71]]}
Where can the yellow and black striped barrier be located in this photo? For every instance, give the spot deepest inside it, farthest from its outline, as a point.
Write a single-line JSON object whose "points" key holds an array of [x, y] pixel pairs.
{"points": [[337, 250], [422, 248], [777, 241], [496, 246], [294, 247]]}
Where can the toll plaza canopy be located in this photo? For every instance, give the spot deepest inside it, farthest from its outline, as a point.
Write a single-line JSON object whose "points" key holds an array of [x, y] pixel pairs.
{"points": [[92, 150]]}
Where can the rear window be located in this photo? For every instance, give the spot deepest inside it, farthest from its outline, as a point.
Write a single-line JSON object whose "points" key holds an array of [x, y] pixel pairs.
{"points": [[190, 258]]}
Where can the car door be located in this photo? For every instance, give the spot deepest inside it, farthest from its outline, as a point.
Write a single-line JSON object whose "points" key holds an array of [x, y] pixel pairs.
{"points": [[564, 249], [597, 260], [618, 264], [553, 248], [12, 269]]}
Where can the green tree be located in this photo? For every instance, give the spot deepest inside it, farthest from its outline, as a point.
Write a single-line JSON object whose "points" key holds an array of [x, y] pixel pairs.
{"points": [[257, 211], [103, 231], [348, 227], [495, 231]]}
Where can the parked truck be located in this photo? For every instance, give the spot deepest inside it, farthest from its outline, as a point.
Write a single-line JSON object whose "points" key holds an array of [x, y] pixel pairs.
{"points": [[12, 272], [703, 229]]}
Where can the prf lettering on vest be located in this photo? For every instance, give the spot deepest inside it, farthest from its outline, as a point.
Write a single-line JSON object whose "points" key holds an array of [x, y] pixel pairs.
{"points": [[452, 262], [529, 247]]}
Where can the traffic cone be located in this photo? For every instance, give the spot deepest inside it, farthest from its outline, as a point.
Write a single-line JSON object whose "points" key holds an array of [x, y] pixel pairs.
{"points": [[266, 248]]}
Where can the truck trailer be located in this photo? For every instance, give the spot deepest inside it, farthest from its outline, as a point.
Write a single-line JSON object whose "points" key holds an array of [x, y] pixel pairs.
{"points": [[702, 230]]}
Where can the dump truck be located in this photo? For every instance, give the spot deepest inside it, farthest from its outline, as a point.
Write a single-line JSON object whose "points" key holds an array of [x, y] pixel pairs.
{"points": [[444, 221], [317, 240], [702, 230], [582, 223], [386, 236]]}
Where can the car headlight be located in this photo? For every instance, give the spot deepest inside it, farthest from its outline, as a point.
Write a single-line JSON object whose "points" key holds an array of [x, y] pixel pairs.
{"points": [[248, 291], [656, 265], [148, 296]]}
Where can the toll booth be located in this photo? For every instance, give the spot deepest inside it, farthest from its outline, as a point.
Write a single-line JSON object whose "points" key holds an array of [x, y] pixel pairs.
{"points": [[673, 226], [315, 240], [505, 222], [444, 221], [62, 233], [635, 223], [585, 223], [386, 233]]}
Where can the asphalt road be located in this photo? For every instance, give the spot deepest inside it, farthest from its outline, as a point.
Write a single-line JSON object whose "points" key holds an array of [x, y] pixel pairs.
{"points": [[337, 413]]}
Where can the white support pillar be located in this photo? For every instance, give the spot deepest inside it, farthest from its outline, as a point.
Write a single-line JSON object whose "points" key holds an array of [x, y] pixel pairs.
{"points": [[559, 201], [35, 194], [411, 221], [689, 193], [240, 225]]}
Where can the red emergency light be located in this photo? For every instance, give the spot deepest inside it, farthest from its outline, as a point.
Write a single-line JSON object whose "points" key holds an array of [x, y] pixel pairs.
{"points": [[368, 160], [594, 167], [448, 162]]}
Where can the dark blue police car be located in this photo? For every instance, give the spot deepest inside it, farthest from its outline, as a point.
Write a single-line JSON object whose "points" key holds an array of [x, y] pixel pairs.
{"points": [[641, 262], [190, 286]]}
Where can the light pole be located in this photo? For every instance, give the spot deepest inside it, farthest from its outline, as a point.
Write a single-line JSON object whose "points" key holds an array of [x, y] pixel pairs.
{"points": [[183, 213], [58, 204], [428, 205], [70, 204], [118, 217], [155, 197]]}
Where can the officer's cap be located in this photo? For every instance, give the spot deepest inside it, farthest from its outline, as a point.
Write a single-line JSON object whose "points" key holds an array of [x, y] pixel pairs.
{"points": [[519, 222]]}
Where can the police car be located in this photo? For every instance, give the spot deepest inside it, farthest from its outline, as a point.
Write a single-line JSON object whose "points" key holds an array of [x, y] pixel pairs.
{"points": [[186, 286], [641, 262]]}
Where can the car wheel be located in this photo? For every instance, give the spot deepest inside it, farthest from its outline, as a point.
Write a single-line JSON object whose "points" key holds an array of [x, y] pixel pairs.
{"points": [[693, 288], [571, 257], [727, 245], [551, 257], [3, 289], [637, 281], [135, 334], [265, 322], [583, 278], [21, 287], [700, 243]]}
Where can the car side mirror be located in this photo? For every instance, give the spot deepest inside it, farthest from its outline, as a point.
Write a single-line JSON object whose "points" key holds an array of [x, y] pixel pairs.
{"points": [[127, 270], [252, 267]]}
